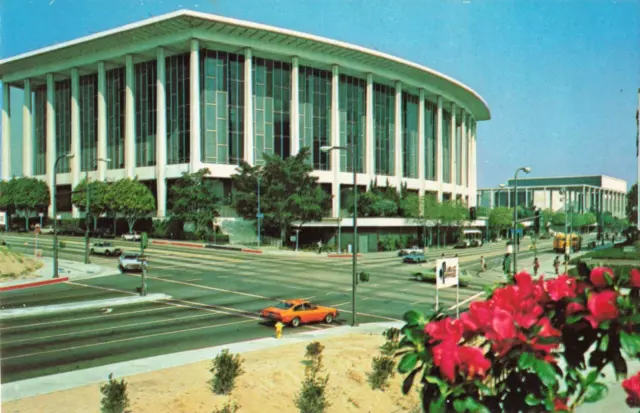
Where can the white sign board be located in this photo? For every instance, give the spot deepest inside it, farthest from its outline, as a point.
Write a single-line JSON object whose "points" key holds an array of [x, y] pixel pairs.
{"points": [[3, 218], [447, 272]]}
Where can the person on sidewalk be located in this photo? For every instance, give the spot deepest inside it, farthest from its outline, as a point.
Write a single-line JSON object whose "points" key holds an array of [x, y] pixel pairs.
{"points": [[556, 264], [320, 247], [483, 264], [536, 266]]}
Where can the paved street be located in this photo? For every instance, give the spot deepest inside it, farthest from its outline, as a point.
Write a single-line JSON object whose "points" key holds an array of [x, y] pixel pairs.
{"points": [[216, 296]]}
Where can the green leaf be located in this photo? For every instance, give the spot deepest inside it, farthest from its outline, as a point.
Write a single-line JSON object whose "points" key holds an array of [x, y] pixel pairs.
{"points": [[532, 400], [595, 392], [471, 405], [630, 343], [438, 406], [526, 360], [572, 319], [408, 363], [408, 381], [442, 385], [592, 376], [604, 343], [412, 318], [546, 373]]}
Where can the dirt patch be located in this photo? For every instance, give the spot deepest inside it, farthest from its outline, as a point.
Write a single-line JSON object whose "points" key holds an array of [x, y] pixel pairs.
{"points": [[14, 265], [270, 383]]}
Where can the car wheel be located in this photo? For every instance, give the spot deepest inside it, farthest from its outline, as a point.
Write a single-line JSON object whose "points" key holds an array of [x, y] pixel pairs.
{"points": [[121, 269], [92, 251], [107, 253], [419, 277], [328, 318], [295, 322]]}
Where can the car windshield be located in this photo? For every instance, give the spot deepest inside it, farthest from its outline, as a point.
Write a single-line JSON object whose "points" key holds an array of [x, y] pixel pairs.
{"points": [[130, 257], [284, 306]]}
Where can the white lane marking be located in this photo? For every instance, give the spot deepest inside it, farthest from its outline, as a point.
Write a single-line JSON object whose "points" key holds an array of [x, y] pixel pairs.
{"points": [[473, 297]]}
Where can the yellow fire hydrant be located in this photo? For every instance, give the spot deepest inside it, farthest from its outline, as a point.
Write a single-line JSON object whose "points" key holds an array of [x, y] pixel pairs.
{"points": [[279, 327]]}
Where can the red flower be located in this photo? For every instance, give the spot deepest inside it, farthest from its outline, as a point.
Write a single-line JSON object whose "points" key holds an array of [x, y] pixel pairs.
{"points": [[560, 405], [561, 287], [445, 329], [635, 278], [478, 317], [473, 362], [502, 325], [574, 307], [602, 307], [598, 276], [632, 387]]}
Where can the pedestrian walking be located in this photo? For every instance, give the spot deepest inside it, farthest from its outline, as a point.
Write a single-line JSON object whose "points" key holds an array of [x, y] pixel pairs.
{"points": [[320, 247], [483, 264], [536, 267], [556, 264]]}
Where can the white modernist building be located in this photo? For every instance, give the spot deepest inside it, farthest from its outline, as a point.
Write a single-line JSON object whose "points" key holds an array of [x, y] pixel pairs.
{"points": [[189, 90]]}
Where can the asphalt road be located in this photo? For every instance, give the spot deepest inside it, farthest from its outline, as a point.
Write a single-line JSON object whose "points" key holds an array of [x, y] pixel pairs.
{"points": [[216, 297]]}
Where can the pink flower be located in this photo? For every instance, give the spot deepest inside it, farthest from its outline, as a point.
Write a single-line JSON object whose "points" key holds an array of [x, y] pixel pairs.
{"points": [[602, 307], [598, 276], [561, 287], [634, 280], [451, 358], [574, 307], [445, 329], [632, 387], [473, 362]]}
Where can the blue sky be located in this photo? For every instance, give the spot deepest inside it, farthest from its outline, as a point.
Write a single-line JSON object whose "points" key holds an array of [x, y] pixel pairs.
{"points": [[560, 77]]}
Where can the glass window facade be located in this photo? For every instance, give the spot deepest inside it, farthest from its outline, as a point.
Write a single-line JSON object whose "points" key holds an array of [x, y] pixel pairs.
{"points": [[40, 130], [271, 108], [315, 114], [222, 107], [146, 75], [177, 113], [458, 154], [384, 129], [352, 118], [409, 135], [115, 117], [430, 114], [63, 123], [88, 102], [446, 147]]}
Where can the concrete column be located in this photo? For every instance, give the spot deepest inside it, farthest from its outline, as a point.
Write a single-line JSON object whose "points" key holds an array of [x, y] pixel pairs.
{"points": [[51, 134], [249, 140], [195, 158], [6, 131], [473, 177], [161, 134], [27, 136], [102, 122], [77, 160], [295, 107], [491, 199], [422, 162], [583, 204], [452, 163], [370, 145], [335, 141], [129, 119], [399, 147], [439, 142], [463, 150]]}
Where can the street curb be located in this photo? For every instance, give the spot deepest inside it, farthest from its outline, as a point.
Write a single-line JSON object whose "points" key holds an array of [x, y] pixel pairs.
{"points": [[58, 308], [34, 284], [251, 251], [209, 246], [177, 243], [343, 255]]}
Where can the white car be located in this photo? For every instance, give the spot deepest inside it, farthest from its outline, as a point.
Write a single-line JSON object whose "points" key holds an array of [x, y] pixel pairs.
{"points": [[413, 250], [47, 230], [131, 261], [131, 236], [105, 248]]}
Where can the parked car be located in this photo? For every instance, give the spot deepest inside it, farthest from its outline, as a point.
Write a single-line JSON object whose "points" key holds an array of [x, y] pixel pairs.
{"points": [[131, 236], [413, 250], [102, 233], [414, 258], [47, 230], [131, 261], [105, 248], [71, 231], [296, 312]]}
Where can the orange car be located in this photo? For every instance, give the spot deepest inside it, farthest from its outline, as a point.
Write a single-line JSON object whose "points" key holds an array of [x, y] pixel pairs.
{"points": [[299, 311]]}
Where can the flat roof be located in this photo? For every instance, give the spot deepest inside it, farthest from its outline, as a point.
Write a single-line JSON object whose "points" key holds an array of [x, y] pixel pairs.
{"points": [[175, 29]]}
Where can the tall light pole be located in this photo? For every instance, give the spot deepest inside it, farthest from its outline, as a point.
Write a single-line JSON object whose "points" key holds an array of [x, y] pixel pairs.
{"points": [[259, 214], [567, 239], [526, 170], [55, 213], [87, 208], [351, 148]]}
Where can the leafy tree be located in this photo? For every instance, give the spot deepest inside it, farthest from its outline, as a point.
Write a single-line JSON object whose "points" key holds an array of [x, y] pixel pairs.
{"points": [[578, 221], [7, 198], [97, 204], [590, 219], [558, 218], [453, 213], [500, 219], [288, 192], [483, 211], [131, 198], [423, 210], [195, 200], [29, 196], [632, 204]]}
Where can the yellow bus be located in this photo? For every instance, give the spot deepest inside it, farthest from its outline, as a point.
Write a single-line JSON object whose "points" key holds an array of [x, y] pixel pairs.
{"points": [[559, 242]]}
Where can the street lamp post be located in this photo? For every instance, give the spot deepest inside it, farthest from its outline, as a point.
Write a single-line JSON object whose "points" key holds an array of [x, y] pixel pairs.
{"points": [[55, 213], [354, 281], [526, 170], [567, 238], [87, 207], [259, 214]]}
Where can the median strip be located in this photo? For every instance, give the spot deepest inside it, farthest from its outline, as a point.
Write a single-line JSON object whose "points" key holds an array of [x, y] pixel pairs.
{"points": [[34, 284]]}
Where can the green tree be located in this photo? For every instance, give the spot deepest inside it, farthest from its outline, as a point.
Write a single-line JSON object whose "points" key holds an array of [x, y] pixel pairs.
{"points": [[578, 221], [423, 210], [29, 196], [7, 198], [288, 192], [501, 218], [97, 204], [632, 204], [195, 200], [590, 219], [452, 213], [131, 198], [558, 218]]}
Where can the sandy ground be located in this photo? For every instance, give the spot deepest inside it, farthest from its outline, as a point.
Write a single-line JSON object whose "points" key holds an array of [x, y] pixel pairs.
{"points": [[270, 383], [14, 265]]}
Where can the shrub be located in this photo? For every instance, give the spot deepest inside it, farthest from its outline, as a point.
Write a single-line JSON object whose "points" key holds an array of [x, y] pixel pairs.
{"points": [[313, 396], [226, 368], [384, 365], [229, 407], [114, 396]]}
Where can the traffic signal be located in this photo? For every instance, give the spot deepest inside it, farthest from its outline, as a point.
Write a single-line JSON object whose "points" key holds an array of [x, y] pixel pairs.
{"points": [[473, 213], [536, 221]]}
